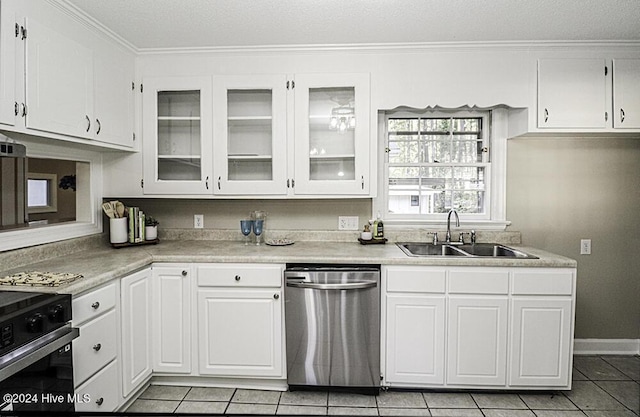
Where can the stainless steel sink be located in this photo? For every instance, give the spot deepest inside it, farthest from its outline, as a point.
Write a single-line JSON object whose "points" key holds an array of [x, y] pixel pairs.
{"points": [[428, 249], [473, 250], [494, 250]]}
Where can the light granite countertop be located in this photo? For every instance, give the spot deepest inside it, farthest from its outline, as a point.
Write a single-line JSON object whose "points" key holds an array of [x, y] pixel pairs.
{"points": [[103, 264]]}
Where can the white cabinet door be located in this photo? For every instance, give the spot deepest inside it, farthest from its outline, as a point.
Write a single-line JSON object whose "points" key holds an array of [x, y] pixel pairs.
{"points": [[477, 340], [171, 335], [415, 339], [250, 135], [113, 115], [240, 332], [177, 143], [59, 82], [136, 324], [572, 93], [331, 134], [541, 340], [626, 93], [9, 35]]}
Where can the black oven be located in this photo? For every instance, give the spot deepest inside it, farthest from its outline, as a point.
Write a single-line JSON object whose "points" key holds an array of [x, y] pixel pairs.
{"points": [[36, 361]]}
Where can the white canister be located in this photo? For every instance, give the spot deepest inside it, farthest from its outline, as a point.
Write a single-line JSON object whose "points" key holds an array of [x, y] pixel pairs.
{"points": [[118, 231], [150, 232]]}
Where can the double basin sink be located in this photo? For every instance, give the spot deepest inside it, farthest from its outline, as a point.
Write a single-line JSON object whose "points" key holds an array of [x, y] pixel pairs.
{"points": [[484, 250]]}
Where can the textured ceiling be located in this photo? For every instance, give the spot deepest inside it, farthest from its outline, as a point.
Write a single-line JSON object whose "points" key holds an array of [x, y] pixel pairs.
{"points": [[150, 24]]}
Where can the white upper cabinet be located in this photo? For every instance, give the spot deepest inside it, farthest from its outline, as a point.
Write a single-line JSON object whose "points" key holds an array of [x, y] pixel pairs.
{"points": [[59, 82], [332, 134], [626, 93], [113, 120], [9, 34], [250, 135], [303, 135], [177, 135], [59, 79], [572, 93]]}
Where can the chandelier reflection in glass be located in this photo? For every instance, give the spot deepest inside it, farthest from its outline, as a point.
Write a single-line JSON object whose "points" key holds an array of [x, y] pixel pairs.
{"points": [[342, 118]]}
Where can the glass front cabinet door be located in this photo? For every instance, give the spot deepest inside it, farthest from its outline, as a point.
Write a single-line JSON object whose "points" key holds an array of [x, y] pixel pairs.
{"points": [[177, 133], [250, 135], [332, 134]]}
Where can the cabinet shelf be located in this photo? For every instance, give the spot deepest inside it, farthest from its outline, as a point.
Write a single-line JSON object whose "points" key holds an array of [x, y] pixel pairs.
{"points": [[179, 156], [178, 118], [328, 156], [249, 157]]}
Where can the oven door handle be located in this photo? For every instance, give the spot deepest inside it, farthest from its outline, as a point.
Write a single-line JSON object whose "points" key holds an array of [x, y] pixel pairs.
{"points": [[19, 359]]}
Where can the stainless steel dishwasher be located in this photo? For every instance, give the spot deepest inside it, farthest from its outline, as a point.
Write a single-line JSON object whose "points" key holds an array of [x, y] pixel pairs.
{"points": [[332, 319]]}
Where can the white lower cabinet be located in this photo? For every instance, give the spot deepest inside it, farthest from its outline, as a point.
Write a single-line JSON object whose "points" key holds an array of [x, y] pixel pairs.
{"points": [[477, 340], [415, 339], [136, 334], [171, 306], [96, 348], [99, 393], [240, 320], [482, 328]]}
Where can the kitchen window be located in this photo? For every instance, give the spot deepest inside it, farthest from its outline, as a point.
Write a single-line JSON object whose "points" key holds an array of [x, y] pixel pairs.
{"points": [[438, 160]]}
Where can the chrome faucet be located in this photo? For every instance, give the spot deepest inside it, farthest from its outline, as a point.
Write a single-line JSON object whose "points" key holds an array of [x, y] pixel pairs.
{"points": [[448, 237]]}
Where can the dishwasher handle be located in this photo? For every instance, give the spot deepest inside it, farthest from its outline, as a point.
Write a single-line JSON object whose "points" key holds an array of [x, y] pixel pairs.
{"points": [[343, 286]]}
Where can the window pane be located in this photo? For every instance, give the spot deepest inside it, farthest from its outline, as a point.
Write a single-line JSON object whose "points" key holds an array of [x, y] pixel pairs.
{"points": [[436, 178], [38, 193], [403, 150], [466, 125], [436, 149], [469, 202], [403, 125], [469, 178]]}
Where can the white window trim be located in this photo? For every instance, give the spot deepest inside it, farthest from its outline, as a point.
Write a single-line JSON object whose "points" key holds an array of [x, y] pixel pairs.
{"points": [[497, 179], [52, 185], [88, 216]]}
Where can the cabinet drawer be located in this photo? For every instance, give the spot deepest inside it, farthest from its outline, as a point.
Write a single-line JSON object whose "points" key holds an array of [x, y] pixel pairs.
{"points": [[240, 275], [543, 282], [100, 393], [95, 347], [90, 305], [490, 281], [412, 279]]}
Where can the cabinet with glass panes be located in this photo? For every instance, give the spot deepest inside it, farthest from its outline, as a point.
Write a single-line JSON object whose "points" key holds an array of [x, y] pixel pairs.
{"points": [[250, 135], [177, 128], [332, 134], [325, 153]]}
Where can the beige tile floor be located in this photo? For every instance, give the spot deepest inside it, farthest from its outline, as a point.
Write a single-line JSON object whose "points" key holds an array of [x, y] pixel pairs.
{"points": [[604, 386]]}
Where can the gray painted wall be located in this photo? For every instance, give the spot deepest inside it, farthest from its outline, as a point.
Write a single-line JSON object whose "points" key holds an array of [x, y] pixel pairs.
{"points": [[561, 190]]}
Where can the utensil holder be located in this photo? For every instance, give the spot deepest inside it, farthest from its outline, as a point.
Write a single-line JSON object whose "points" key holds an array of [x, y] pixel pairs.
{"points": [[118, 230]]}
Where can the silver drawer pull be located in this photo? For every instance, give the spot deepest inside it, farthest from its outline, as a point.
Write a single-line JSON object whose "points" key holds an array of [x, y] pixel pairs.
{"points": [[97, 347], [99, 401], [95, 305]]}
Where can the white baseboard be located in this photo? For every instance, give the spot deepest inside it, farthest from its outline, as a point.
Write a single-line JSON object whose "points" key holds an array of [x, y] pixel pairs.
{"points": [[606, 346]]}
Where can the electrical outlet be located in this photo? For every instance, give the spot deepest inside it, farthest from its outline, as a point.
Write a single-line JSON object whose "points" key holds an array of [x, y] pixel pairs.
{"points": [[585, 247], [348, 223], [198, 221]]}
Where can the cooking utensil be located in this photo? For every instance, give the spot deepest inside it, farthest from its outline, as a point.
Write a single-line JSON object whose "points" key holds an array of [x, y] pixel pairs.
{"points": [[119, 208], [108, 210]]}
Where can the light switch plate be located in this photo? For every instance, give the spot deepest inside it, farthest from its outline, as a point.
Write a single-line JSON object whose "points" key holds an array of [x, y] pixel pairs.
{"points": [[348, 223]]}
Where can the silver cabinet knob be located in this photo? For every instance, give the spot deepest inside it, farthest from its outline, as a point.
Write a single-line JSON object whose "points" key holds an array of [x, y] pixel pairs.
{"points": [[276, 296], [95, 305], [97, 347], [238, 277], [184, 273], [99, 401]]}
